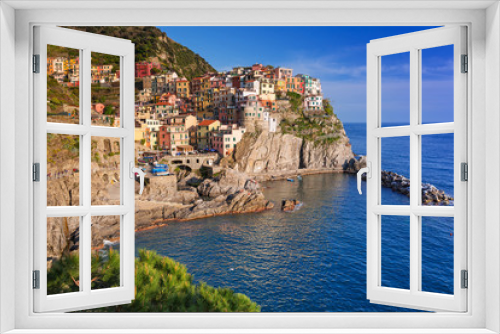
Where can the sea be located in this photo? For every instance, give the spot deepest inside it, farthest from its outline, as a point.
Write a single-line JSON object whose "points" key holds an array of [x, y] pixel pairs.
{"points": [[314, 259]]}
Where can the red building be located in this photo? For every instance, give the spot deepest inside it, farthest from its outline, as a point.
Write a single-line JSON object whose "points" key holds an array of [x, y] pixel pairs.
{"points": [[236, 82], [163, 138], [144, 69]]}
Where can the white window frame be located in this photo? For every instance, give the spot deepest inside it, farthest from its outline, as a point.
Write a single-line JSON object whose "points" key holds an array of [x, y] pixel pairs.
{"points": [[87, 44], [414, 43], [484, 308]]}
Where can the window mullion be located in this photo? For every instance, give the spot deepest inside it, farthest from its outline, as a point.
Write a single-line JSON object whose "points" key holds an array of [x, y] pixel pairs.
{"points": [[414, 169], [86, 173]]}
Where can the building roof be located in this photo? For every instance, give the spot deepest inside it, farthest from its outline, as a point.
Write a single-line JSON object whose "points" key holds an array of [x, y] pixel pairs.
{"points": [[207, 122]]}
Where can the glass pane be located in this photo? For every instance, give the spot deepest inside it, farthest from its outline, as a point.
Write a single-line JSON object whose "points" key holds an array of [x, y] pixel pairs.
{"points": [[437, 254], [437, 169], [395, 171], [437, 84], [63, 82], [395, 241], [105, 90], [63, 260], [63, 170], [105, 252], [395, 89], [105, 171]]}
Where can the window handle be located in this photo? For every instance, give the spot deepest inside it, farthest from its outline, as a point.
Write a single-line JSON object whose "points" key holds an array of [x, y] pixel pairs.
{"points": [[368, 172], [141, 173]]}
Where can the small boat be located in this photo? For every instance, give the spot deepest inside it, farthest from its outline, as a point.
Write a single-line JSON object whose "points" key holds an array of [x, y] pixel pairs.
{"points": [[290, 180], [299, 177]]}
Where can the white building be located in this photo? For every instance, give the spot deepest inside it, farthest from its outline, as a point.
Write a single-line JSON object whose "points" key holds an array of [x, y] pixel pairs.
{"points": [[272, 121], [313, 102]]}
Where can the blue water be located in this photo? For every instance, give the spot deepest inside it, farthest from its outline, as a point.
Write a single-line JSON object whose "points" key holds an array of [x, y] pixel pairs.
{"points": [[314, 259]]}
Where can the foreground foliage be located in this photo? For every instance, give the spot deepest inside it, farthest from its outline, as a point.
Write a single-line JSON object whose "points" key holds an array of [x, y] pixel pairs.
{"points": [[162, 285]]}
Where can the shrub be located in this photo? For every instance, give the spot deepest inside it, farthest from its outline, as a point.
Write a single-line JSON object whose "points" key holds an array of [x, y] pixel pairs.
{"points": [[108, 110], [162, 285]]}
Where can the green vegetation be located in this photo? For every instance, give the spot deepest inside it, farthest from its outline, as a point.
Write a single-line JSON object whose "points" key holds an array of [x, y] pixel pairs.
{"points": [[162, 285], [108, 110], [151, 44], [296, 101], [105, 59], [322, 129], [58, 95], [328, 107], [62, 148]]}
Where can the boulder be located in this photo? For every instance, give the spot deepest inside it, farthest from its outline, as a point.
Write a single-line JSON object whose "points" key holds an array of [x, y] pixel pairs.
{"points": [[289, 205]]}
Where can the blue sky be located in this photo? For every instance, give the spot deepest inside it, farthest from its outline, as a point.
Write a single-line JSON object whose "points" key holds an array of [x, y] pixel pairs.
{"points": [[335, 55]]}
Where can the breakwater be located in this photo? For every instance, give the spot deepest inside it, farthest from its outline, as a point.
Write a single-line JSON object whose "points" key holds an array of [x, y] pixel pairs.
{"points": [[400, 184]]}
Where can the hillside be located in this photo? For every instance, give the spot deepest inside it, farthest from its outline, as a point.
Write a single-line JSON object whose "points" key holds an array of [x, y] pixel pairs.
{"points": [[151, 43]]}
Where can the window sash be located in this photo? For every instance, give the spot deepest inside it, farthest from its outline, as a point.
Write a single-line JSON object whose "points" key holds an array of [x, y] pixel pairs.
{"points": [[413, 43], [86, 297]]}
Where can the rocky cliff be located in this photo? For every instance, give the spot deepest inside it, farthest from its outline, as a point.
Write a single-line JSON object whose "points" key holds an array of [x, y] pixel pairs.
{"points": [[273, 153], [268, 152], [231, 192]]}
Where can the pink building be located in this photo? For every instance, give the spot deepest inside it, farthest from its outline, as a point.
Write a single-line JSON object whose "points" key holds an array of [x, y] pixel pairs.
{"points": [[226, 138], [256, 67], [282, 73], [169, 99], [144, 69]]}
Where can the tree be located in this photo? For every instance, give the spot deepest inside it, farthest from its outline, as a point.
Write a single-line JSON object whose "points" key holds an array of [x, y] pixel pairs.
{"points": [[162, 285], [155, 71]]}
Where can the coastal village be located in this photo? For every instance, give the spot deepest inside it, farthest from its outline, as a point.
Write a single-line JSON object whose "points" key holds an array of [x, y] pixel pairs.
{"points": [[205, 143], [209, 113]]}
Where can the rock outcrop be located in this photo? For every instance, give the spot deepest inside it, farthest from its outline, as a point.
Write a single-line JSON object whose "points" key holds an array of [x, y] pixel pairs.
{"points": [[267, 152], [275, 152], [325, 156], [400, 184], [231, 192], [289, 205]]}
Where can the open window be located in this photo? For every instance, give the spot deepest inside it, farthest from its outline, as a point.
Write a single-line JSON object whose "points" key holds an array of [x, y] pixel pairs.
{"points": [[86, 145], [383, 218]]}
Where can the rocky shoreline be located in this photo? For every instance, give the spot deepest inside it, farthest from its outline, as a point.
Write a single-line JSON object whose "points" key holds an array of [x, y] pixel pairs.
{"points": [[400, 184]]}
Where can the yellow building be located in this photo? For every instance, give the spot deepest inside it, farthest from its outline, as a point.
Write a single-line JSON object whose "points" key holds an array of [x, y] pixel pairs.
{"points": [[204, 129], [182, 88], [279, 85]]}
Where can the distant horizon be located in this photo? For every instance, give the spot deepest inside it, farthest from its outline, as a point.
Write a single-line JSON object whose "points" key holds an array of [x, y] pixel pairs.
{"points": [[335, 55]]}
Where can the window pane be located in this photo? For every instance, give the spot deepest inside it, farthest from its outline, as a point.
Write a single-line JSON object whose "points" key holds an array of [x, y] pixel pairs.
{"points": [[63, 170], [63, 260], [437, 84], [437, 169], [395, 251], [395, 171], [105, 171], [395, 89], [105, 252], [63, 82], [105, 90], [437, 254]]}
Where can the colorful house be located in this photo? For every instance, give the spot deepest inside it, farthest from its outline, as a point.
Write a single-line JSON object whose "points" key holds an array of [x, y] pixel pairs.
{"points": [[143, 69], [204, 129], [225, 139]]}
